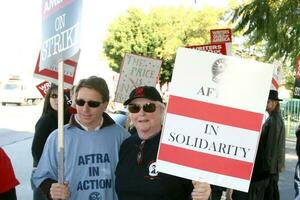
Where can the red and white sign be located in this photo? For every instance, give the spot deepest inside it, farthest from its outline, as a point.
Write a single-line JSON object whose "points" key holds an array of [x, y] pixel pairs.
{"points": [[136, 71], [214, 116], [50, 74], [61, 22], [277, 76], [298, 68], [220, 35], [43, 87], [220, 48]]}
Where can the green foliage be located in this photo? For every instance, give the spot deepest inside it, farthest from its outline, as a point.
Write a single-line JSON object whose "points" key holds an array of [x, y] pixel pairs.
{"points": [[158, 34], [275, 25]]}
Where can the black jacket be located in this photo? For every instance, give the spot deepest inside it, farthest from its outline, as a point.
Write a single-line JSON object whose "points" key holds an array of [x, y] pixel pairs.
{"points": [[44, 126], [270, 157], [298, 143], [141, 181]]}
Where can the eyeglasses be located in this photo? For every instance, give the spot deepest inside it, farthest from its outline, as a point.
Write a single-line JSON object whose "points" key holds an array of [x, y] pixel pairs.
{"points": [[135, 108], [53, 96], [92, 104], [139, 157]]}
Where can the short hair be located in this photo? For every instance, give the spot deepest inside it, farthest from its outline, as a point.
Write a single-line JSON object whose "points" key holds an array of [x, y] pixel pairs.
{"points": [[96, 83]]}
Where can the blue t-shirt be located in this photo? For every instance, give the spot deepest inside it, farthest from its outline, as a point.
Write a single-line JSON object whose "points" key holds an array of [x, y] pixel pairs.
{"points": [[90, 159]]}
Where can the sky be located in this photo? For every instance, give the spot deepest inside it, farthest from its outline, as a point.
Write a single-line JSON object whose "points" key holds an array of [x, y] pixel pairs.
{"points": [[21, 21]]}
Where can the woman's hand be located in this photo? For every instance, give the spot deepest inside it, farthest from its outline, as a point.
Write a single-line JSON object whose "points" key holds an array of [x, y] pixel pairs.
{"points": [[229, 194], [201, 190], [59, 191]]}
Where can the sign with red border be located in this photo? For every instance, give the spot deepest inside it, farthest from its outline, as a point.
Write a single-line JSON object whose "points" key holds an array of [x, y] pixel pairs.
{"points": [[219, 48], [220, 35], [51, 74], [43, 87], [211, 107]]}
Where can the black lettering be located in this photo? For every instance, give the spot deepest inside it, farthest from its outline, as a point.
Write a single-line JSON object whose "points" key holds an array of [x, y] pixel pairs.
{"points": [[172, 137]]}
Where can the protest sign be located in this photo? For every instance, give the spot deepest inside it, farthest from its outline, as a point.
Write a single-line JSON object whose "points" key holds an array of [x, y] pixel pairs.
{"points": [[43, 87], [220, 35], [277, 76], [136, 71], [60, 31], [219, 48], [298, 68], [51, 74], [213, 118], [60, 41], [296, 93]]}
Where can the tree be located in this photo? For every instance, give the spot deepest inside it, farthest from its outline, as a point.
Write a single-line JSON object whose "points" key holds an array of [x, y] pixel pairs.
{"points": [[158, 34], [275, 24]]}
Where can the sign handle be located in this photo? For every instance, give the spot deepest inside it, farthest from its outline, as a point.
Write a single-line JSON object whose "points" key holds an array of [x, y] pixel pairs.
{"points": [[60, 141]]}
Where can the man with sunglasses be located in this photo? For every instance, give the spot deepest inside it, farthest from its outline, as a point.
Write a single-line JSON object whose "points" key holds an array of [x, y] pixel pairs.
{"points": [[136, 174], [92, 141]]}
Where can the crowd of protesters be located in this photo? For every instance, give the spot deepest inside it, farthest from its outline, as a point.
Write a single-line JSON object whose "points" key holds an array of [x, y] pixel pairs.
{"points": [[107, 160]]}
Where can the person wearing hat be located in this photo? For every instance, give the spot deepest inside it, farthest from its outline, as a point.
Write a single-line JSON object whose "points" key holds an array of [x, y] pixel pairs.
{"points": [[136, 174], [270, 156], [275, 143]]}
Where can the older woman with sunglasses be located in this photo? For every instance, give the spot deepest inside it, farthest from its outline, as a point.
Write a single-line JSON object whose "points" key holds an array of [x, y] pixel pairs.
{"points": [[92, 141], [136, 175]]}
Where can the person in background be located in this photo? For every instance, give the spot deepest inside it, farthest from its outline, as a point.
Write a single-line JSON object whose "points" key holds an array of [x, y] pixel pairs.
{"points": [[270, 156], [8, 180], [47, 123], [297, 169], [136, 174], [91, 144]]}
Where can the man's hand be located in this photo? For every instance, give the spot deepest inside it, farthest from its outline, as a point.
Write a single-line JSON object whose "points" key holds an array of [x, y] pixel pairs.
{"points": [[59, 191]]}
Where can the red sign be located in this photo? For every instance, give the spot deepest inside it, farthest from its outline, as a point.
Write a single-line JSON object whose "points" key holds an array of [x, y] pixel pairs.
{"points": [[298, 68], [220, 35], [43, 87], [213, 48], [51, 74]]}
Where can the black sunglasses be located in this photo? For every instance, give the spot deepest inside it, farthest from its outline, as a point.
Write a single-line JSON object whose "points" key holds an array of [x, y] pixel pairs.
{"points": [[53, 96], [92, 104], [148, 107], [139, 157]]}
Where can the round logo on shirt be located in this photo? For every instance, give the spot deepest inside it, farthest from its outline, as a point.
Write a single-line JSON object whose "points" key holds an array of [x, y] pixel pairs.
{"points": [[152, 169], [95, 196]]}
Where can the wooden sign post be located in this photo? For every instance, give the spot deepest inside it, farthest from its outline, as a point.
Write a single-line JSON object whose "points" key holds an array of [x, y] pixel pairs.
{"points": [[60, 41]]}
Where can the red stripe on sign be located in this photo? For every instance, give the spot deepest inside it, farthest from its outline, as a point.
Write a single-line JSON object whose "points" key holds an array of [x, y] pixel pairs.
{"points": [[275, 83], [70, 62], [50, 7], [215, 113], [205, 162]]}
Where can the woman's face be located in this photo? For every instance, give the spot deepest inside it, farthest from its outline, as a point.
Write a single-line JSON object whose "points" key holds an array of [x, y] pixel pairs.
{"points": [[146, 123], [54, 100]]}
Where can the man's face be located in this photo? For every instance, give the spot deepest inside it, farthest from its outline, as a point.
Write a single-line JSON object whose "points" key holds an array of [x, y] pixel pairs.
{"points": [[271, 105], [90, 116]]}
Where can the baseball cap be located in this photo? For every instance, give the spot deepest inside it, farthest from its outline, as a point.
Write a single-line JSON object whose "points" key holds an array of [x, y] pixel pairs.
{"points": [[147, 92]]}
